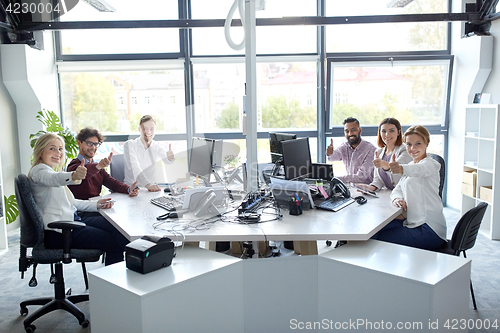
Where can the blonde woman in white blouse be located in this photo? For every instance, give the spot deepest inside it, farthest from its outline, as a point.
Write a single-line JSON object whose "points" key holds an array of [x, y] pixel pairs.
{"points": [[56, 202], [417, 193]]}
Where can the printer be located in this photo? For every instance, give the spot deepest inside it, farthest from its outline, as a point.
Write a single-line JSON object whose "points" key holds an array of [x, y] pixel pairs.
{"points": [[149, 253]]}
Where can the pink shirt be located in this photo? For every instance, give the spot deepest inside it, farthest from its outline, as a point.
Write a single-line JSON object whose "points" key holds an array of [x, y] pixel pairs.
{"points": [[358, 162]]}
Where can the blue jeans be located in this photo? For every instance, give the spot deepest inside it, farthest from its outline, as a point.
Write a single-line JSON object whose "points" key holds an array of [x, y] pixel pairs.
{"points": [[422, 237], [98, 234]]}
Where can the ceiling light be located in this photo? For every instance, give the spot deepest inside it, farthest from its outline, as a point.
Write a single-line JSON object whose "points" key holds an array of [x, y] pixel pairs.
{"points": [[100, 5], [398, 3]]}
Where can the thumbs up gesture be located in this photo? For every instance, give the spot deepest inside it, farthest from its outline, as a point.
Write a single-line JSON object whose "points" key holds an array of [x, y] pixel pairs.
{"points": [[80, 173], [380, 163], [395, 166], [105, 162], [170, 153], [329, 149]]}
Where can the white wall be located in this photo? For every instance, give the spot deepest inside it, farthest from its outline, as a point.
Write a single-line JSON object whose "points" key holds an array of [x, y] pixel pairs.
{"points": [[468, 78], [30, 77], [493, 83], [9, 147], [28, 83]]}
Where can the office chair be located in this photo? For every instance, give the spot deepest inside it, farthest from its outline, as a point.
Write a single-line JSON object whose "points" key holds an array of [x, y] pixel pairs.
{"points": [[442, 171], [32, 236], [117, 167], [464, 236]]}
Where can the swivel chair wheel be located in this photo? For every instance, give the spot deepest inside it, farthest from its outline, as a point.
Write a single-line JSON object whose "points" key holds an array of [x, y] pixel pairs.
{"points": [[30, 329], [85, 323], [328, 243], [24, 311]]}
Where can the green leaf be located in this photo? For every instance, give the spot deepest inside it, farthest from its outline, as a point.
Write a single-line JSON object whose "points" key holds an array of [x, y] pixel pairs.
{"points": [[11, 209], [52, 124]]}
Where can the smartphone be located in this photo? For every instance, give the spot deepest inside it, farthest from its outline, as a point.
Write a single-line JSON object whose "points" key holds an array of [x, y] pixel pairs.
{"points": [[110, 201], [372, 193]]}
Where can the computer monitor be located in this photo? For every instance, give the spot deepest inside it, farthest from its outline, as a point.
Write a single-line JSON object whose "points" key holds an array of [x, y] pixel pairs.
{"points": [[200, 157], [296, 158], [275, 140], [217, 153], [322, 171]]}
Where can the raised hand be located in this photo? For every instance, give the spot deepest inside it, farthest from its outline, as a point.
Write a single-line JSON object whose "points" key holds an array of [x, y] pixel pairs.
{"points": [[329, 149], [80, 173], [133, 190], [105, 162], [395, 166], [170, 153], [380, 163]]}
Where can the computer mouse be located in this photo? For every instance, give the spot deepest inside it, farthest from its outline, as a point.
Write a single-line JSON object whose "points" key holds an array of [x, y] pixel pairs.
{"points": [[166, 189]]}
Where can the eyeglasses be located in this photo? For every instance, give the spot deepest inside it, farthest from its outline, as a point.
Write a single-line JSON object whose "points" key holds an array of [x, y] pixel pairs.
{"points": [[91, 144]]}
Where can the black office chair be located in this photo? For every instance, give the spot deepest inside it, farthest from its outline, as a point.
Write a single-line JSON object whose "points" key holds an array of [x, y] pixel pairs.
{"points": [[117, 167], [32, 236], [442, 171], [464, 236]]}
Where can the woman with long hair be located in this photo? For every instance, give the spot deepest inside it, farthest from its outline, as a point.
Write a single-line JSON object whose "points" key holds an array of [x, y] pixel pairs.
{"points": [[422, 223], [56, 202]]}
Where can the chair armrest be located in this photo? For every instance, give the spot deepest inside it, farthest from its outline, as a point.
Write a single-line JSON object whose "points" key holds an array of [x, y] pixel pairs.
{"points": [[67, 227]]}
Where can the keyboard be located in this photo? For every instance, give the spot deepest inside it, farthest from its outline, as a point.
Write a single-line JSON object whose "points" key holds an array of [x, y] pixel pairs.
{"points": [[167, 203], [335, 204]]}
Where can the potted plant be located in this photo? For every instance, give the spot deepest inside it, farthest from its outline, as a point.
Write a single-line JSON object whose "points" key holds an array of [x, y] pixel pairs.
{"points": [[231, 161], [11, 209], [52, 124]]}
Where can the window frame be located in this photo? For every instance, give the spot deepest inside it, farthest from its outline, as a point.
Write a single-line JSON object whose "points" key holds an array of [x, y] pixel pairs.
{"points": [[324, 60]]}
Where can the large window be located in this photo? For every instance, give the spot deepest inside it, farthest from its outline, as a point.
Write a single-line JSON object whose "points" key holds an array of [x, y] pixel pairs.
{"points": [[284, 93], [121, 41], [372, 71], [269, 40], [385, 37], [115, 101], [414, 92]]}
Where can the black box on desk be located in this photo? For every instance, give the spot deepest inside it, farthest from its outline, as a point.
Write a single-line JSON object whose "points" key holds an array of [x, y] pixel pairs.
{"points": [[149, 253], [283, 198]]}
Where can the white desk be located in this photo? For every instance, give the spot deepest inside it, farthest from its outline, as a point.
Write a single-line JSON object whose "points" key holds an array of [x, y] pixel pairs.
{"points": [[205, 291], [393, 283], [135, 216], [191, 295]]}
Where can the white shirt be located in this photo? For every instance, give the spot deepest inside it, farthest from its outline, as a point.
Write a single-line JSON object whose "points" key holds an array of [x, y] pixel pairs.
{"points": [[140, 162], [419, 187], [54, 200]]}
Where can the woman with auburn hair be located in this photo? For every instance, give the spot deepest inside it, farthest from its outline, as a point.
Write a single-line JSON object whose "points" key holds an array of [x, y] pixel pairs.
{"points": [[422, 223], [56, 202], [390, 142]]}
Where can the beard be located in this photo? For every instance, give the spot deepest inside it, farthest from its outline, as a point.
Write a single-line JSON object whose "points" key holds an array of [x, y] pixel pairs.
{"points": [[354, 140]]}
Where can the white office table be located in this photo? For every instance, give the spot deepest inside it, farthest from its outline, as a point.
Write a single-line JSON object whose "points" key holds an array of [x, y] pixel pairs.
{"points": [[205, 291], [135, 217]]}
